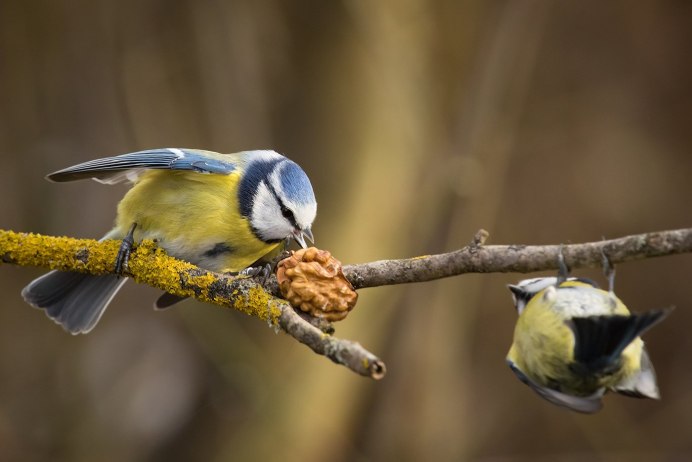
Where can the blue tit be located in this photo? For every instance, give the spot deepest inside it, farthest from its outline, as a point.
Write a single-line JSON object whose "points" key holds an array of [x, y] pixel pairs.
{"points": [[222, 212], [573, 342]]}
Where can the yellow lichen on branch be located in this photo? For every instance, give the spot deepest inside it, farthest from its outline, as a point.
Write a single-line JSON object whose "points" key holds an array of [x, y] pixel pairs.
{"points": [[148, 264], [59, 253]]}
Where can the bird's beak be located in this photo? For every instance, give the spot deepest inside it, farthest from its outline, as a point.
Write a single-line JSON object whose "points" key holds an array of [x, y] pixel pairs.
{"points": [[516, 290], [308, 234], [300, 235]]}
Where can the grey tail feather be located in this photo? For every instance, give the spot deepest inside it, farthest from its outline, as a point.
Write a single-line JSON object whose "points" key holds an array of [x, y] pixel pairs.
{"points": [[76, 301], [167, 300]]}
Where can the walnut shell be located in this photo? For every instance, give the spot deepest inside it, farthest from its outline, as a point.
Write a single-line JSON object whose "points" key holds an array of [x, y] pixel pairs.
{"points": [[313, 281]]}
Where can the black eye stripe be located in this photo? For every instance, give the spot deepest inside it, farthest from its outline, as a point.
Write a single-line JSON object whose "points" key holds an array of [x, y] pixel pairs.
{"points": [[285, 211], [288, 214]]}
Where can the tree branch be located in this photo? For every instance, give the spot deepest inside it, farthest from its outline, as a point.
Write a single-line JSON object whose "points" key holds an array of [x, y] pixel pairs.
{"points": [[517, 258], [150, 265]]}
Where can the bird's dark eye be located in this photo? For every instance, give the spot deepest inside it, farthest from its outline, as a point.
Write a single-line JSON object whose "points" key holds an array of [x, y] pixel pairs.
{"points": [[288, 214]]}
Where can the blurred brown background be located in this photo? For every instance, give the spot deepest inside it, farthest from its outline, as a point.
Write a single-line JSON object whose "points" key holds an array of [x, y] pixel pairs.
{"points": [[419, 122]]}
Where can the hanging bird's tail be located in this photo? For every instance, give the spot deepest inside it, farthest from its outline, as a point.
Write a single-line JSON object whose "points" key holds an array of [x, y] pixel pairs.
{"points": [[600, 340], [76, 301]]}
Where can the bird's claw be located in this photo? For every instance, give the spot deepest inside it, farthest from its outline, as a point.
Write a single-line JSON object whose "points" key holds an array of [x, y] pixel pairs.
{"points": [[608, 270], [563, 268], [123, 257], [260, 273]]}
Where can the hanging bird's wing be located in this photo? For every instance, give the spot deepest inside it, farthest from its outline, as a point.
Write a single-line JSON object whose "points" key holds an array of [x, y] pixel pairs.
{"points": [[586, 404], [127, 167]]}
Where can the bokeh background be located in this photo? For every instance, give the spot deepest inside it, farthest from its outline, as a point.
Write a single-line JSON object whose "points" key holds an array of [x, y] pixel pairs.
{"points": [[419, 122]]}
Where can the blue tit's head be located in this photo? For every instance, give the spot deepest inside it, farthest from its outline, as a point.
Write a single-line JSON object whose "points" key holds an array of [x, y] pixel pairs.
{"points": [[276, 196], [525, 290]]}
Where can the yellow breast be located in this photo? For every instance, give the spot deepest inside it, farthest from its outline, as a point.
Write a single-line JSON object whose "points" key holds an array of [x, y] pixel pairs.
{"points": [[543, 344], [194, 217]]}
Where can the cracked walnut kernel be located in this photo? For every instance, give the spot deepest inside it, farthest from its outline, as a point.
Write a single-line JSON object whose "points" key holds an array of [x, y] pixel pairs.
{"points": [[313, 281]]}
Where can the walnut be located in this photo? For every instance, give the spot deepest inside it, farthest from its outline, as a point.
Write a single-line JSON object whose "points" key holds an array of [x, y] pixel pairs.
{"points": [[312, 280]]}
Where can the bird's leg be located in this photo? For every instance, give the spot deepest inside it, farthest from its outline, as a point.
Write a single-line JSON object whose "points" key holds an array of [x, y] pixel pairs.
{"points": [[125, 251], [263, 270], [608, 270], [270, 268], [251, 271], [260, 272], [275, 261], [563, 269]]}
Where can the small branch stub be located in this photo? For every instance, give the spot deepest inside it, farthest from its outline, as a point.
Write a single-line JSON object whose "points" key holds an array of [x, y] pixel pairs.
{"points": [[480, 237], [312, 280]]}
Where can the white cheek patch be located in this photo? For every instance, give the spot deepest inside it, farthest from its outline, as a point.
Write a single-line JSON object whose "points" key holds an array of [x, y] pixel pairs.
{"points": [[266, 216], [264, 199]]}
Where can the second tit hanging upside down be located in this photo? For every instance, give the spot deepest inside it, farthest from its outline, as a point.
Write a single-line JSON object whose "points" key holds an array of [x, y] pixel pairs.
{"points": [[574, 341], [222, 212]]}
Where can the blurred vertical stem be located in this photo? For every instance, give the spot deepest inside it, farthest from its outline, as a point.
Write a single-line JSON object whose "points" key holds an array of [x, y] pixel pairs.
{"points": [[477, 160], [378, 67], [488, 123]]}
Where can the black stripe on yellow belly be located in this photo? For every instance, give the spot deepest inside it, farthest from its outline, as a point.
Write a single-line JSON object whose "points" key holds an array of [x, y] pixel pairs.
{"points": [[218, 249]]}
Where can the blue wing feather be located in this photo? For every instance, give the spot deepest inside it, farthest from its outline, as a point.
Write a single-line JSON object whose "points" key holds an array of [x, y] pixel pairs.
{"points": [[126, 167]]}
